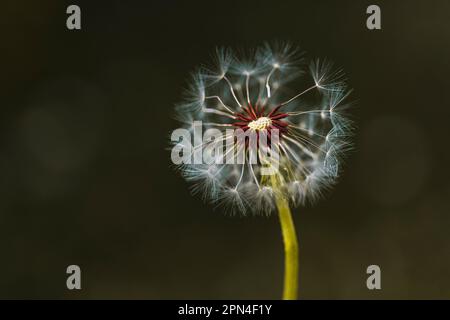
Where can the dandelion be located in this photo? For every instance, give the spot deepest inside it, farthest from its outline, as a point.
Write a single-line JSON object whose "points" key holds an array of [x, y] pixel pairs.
{"points": [[272, 90]]}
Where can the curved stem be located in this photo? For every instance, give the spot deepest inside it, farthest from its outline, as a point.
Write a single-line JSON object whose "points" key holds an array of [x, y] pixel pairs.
{"points": [[290, 290]]}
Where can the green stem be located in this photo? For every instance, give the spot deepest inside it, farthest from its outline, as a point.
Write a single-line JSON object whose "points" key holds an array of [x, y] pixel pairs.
{"points": [[290, 290]]}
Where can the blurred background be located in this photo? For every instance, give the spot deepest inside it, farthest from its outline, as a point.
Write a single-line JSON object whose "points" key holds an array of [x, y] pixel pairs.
{"points": [[85, 118]]}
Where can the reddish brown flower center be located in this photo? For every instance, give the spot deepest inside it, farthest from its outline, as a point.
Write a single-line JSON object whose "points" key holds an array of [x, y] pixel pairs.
{"points": [[255, 118]]}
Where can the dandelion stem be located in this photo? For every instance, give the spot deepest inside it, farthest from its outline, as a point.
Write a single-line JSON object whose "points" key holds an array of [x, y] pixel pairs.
{"points": [[290, 290], [290, 250]]}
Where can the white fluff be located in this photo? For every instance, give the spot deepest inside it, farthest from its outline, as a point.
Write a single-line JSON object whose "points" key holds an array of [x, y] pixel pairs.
{"points": [[311, 95]]}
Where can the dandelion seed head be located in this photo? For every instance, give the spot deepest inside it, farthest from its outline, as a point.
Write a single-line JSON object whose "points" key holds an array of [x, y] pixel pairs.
{"points": [[272, 87]]}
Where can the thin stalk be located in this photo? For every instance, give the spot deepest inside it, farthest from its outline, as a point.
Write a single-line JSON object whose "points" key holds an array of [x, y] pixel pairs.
{"points": [[290, 290]]}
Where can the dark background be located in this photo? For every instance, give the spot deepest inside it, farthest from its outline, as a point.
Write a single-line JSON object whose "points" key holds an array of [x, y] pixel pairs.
{"points": [[85, 177]]}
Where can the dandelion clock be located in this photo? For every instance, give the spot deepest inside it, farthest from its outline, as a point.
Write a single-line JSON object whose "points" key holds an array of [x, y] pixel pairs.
{"points": [[263, 133]]}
